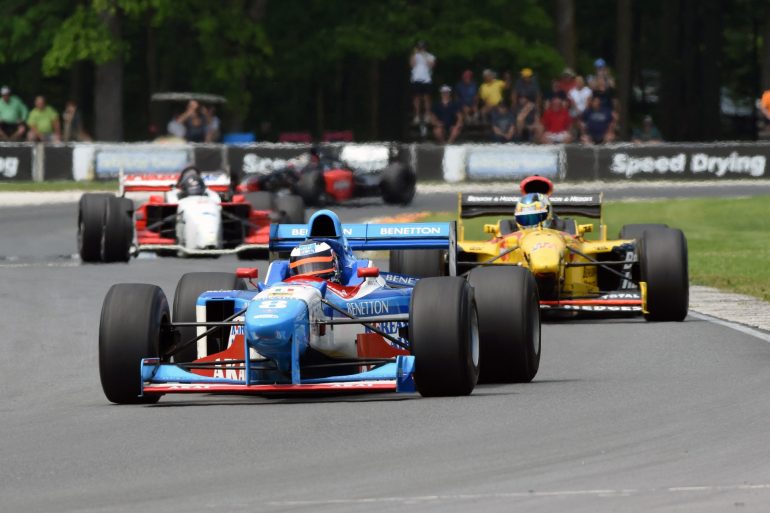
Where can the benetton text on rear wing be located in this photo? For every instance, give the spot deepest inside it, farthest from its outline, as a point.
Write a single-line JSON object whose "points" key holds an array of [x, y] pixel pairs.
{"points": [[476, 205], [367, 237]]}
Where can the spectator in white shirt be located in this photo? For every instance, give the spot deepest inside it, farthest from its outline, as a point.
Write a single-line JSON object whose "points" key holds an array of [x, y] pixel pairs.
{"points": [[422, 64], [580, 96]]}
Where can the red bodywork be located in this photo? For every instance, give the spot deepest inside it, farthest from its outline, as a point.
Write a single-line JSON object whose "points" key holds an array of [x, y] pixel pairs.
{"points": [[339, 184]]}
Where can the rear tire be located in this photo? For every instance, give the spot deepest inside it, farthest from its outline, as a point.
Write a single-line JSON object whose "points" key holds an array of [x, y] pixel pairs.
{"points": [[663, 265], [443, 330], [131, 328], [292, 209], [260, 200], [398, 184], [311, 186], [118, 230], [91, 213], [509, 323], [418, 263], [190, 286]]}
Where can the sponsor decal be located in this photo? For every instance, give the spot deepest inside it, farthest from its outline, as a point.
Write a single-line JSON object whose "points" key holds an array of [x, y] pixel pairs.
{"points": [[471, 198], [696, 163], [272, 305], [368, 308], [265, 316], [543, 245], [410, 230], [228, 373], [399, 279]]}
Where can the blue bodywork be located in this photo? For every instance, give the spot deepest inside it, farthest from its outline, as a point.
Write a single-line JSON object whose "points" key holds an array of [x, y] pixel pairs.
{"points": [[278, 321]]}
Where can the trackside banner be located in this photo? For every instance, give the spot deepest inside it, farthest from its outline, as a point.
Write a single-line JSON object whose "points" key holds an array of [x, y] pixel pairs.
{"points": [[500, 162], [16, 161]]}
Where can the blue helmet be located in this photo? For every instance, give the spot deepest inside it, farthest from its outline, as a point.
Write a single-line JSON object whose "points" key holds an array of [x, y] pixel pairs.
{"points": [[532, 210]]}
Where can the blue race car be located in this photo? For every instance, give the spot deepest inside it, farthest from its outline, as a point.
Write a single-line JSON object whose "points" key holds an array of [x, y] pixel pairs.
{"points": [[323, 321]]}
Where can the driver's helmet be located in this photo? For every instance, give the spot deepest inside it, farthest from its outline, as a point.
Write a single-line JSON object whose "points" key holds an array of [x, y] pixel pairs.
{"points": [[532, 210], [191, 184], [313, 258]]}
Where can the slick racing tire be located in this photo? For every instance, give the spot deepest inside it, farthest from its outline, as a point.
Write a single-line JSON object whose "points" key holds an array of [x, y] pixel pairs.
{"points": [[444, 336], [291, 208], [398, 184], [260, 200], [132, 327], [190, 286], [634, 231], [311, 186], [418, 263], [91, 212], [509, 323], [118, 230], [663, 265]]}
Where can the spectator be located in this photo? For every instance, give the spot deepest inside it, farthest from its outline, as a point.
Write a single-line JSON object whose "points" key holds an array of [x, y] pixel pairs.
{"points": [[503, 124], [43, 122], [72, 126], [192, 122], [567, 81], [605, 93], [649, 133], [213, 130], [598, 123], [764, 107], [446, 117], [579, 96], [600, 66], [555, 92], [526, 119], [491, 91], [422, 64], [526, 85], [467, 92], [556, 122], [13, 114]]}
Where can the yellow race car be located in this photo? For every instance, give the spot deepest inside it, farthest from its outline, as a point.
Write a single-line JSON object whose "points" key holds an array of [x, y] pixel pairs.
{"points": [[643, 271]]}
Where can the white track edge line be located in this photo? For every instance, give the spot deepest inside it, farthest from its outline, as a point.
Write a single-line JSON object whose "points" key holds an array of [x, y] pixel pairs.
{"points": [[733, 325]]}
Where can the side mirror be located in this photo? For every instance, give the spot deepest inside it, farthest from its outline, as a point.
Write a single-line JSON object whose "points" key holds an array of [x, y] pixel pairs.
{"points": [[249, 273], [368, 272], [585, 228]]}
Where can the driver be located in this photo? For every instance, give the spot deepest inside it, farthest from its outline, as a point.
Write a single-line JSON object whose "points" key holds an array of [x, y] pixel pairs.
{"points": [[313, 258], [191, 184], [532, 210]]}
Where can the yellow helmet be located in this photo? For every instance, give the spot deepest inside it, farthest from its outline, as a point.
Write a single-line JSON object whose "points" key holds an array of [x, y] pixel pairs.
{"points": [[532, 210]]}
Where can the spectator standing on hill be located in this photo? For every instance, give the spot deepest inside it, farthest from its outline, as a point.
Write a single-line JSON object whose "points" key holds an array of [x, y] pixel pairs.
{"points": [[649, 133], [447, 117], [601, 70], [13, 114], [527, 128], [503, 123], [491, 91], [598, 123], [526, 85], [192, 122], [43, 122], [605, 93], [579, 95], [72, 124], [213, 131], [422, 63], [467, 92], [556, 122]]}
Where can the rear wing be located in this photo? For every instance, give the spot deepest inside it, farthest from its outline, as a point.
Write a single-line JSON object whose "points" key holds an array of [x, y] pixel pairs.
{"points": [[369, 237], [218, 181], [476, 205]]}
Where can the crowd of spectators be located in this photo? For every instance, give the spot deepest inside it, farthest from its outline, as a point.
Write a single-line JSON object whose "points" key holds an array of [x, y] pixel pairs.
{"points": [[41, 124], [572, 109]]}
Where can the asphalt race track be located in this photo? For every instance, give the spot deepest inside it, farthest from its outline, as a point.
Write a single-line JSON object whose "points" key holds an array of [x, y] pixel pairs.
{"points": [[623, 416]]}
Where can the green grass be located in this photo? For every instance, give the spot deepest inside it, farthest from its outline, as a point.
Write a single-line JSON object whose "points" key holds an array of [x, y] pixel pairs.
{"points": [[58, 185], [728, 239]]}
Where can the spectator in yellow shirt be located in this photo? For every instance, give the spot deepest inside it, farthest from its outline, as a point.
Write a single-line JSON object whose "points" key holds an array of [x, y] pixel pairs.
{"points": [[491, 91], [43, 122]]}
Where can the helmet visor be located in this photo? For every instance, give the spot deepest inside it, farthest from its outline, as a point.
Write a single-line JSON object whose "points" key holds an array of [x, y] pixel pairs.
{"points": [[321, 266], [531, 218]]}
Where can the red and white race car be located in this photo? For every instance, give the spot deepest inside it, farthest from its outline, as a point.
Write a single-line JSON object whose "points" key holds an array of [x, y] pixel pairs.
{"points": [[186, 214]]}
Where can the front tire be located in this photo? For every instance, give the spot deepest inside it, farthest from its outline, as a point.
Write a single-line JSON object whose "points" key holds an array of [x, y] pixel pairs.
{"points": [[91, 213], [509, 323], [443, 331], [132, 327], [190, 286], [418, 263], [663, 265], [118, 230]]}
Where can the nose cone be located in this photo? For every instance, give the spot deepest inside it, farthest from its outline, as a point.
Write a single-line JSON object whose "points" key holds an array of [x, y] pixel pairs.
{"points": [[544, 251], [270, 325]]}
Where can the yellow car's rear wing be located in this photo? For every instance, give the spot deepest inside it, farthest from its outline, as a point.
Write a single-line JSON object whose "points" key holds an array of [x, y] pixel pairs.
{"points": [[481, 204]]}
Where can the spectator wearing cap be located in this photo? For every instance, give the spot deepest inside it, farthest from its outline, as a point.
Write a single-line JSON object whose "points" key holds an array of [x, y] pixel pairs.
{"points": [[447, 117], [491, 91], [422, 63], [602, 70], [598, 123], [13, 114], [43, 122], [648, 133], [503, 123], [567, 80], [528, 86], [467, 92], [556, 122], [579, 97]]}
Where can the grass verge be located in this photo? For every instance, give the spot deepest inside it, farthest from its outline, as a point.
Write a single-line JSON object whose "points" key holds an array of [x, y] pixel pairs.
{"points": [[728, 239], [58, 185]]}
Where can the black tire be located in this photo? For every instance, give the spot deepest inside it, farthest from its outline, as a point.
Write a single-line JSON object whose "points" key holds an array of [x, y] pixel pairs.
{"points": [[292, 209], [663, 265], [118, 230], [311, 186], [509, 323], [260, 200], [634, 231], [190, 286], [418, 263], [131, 328], [91, 212], [398, 184], [443, 331]]}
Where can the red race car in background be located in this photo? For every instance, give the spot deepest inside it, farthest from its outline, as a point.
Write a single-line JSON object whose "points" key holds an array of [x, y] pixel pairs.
{"points": [[335, 175], [187, 214]]}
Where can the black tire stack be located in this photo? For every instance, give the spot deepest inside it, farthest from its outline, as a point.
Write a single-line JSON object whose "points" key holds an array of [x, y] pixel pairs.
{"points": [[105, 228], [398, 184]]}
